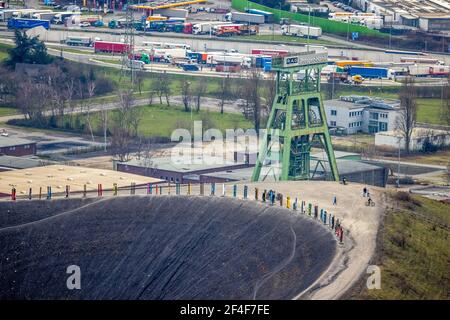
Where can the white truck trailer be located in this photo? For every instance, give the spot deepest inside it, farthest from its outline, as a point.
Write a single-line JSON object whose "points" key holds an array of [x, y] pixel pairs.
{"points": [[205, 27], [301, 31], [240, 17]]}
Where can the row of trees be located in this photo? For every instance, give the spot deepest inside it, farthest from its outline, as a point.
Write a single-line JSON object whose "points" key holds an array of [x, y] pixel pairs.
{"points": [[255, 93]]}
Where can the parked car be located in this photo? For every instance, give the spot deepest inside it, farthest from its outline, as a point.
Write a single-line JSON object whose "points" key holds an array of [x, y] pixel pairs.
{"points": [[85, 24]]}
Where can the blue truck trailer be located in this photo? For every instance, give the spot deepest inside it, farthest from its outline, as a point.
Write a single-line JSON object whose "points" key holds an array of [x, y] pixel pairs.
{"points": [[368, 72], [268, 16], [15, 23]]}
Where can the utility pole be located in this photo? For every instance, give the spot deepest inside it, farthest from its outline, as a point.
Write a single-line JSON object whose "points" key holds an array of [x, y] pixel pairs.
{"points": [[398, 165], [309, 24]]}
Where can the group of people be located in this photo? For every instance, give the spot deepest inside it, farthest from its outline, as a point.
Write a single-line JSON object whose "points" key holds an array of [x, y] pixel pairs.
{"points": [[366, 194]]}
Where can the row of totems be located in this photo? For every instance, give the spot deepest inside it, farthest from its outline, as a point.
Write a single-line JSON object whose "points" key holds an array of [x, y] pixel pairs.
{"points": [[269, 197]]}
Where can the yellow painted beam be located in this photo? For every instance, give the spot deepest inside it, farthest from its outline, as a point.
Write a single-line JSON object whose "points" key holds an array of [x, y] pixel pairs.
{"points": [[166, 6]]}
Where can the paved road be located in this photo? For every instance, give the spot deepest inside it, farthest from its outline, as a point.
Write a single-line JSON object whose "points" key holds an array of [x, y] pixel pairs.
{"points": [[207, 103], [344, 48]]}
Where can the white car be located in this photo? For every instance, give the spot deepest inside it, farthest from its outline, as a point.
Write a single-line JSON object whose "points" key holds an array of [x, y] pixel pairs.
{"points": [[85, 24]]}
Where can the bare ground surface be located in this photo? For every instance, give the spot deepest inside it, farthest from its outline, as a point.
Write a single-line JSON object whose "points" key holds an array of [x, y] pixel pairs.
{"points": [[164, 247], [347, 264]]}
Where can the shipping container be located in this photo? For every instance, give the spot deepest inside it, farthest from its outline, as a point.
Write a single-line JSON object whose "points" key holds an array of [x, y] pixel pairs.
{"points": [[111, 47], [268, 16], [27, 23], [368, 72], [271, 52], [240, 17], [301, 31]]}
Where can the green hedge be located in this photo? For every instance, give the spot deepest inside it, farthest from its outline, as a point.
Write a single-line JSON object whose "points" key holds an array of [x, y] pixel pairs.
{"points": [[328, 26]]}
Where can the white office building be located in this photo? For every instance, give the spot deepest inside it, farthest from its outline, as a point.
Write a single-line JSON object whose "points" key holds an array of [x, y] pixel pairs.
{"points": [[353, 114]]}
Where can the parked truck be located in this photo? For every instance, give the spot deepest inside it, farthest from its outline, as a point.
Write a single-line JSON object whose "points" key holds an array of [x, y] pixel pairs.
{"points": [[344, 77], [110, 47], [268, 16], [226, 29], [368, 72], [79, 41], [240, 17], [205, 27], [27, 23], [168, 54], [44, 15], [420, 70], [6, 14], [60, 17], [219, 58], [301, 31]]}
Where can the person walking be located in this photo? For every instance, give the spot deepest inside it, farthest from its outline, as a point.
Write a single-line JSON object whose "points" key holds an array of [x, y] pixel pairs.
{"points": [[334, 201], [364, 191]]}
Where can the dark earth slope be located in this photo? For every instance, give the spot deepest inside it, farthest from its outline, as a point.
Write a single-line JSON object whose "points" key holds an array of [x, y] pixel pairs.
{"points": [[161, 247]]}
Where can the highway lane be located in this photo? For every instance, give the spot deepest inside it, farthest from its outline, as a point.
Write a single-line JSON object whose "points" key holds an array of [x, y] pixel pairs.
{"points": [[89, 57], [361, 52]]}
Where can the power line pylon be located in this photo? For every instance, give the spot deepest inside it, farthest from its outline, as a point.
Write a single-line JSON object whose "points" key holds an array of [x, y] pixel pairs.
{"points": [[127, 70], [296, 121]]}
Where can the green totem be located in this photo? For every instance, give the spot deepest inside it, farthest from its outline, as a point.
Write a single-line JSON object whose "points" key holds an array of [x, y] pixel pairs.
{"points": [[296, 122]]}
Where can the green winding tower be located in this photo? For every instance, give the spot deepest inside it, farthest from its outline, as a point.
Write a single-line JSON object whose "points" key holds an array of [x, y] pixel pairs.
{"points": [[296, 122]]}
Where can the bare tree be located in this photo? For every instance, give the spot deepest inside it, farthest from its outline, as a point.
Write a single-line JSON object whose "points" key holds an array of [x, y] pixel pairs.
{"points": [[446, 101], [139, 79], [165, 87], [161, 87], [406, 119], [90, 93], [269, 92], [252, 97], [199, 92], [125, 126], [186, 94], [224, 91]]}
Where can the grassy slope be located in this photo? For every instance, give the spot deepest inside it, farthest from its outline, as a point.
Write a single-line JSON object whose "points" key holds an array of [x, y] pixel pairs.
{"points": [[160, 120], [414, 252], [6, 111]]}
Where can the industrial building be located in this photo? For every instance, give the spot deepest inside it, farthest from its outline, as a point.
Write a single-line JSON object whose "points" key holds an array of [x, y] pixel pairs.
{"points": [[353, 114], [16, 146], [177, 170], [392, 139], [428, 15], [353, 170], [8, 163]]}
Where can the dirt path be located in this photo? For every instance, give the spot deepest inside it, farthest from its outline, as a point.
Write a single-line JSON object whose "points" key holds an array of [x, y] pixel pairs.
{"points": [[360, 222]]}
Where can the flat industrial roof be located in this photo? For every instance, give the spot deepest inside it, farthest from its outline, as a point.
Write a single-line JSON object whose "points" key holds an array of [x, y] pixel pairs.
{"points": [[345, 104], [19, 162], [345, 167], [183, 165], [234, 174], [13, 141], [58, 176]]}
